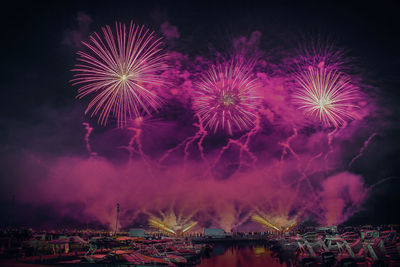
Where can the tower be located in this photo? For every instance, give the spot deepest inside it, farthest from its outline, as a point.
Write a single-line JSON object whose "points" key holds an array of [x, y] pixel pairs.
{"points": [[116, 221]]}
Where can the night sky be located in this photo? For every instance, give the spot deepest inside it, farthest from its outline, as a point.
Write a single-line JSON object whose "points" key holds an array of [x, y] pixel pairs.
{"points": [[40, 115]]}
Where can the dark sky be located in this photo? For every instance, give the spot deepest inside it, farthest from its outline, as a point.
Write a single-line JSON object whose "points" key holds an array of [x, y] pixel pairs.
{"points": [[36, 63], [33, 51]]}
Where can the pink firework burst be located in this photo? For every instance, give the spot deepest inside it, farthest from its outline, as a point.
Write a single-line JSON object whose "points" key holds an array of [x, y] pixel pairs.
{"points": [[119, 72], [225, 97], [327, 95]]}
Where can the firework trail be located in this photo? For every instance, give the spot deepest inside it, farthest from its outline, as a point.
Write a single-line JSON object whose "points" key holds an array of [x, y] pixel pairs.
{"points": [[225, 97], [243, 144], [366, 143], [304, 177], [330, 144], [89, 130], [199, 135], [119, 71], [200, 142], [384, 180], [183, 143], [331, 136], [135, 146], [286, 146], [326, 95], [135, 139], [311, 160]]}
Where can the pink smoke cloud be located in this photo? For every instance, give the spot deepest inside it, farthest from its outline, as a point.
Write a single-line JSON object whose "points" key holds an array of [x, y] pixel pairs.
{"points": [[341, 196], [170, 32], [74, 38]]}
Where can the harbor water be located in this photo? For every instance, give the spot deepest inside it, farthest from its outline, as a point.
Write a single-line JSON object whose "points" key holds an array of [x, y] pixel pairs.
{"points": [[235, 255]]}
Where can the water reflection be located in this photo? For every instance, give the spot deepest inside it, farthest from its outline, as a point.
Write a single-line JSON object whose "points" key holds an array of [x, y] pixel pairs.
{"points": [[235, 255]]}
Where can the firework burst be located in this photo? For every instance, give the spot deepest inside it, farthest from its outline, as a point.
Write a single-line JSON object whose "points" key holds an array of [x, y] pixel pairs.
{"points": [[277, 223], [225, 97], [172, 224], [119, 71], [326, 95]]}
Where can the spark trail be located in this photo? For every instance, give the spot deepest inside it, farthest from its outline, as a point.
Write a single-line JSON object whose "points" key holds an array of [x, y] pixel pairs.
{"points": [[330, 145], [199, 135], [331, 137], [243, 144], [136, 141], [287, 148], [89, 130], [384, 180], [363, 148]]}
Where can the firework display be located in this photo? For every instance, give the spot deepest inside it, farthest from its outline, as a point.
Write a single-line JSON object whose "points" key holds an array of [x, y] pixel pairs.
{"points": [[172, 225], [161, 133], [236, 97], [263, 221], [226, 97], [239, 97], [326, 95], [280, 225], [119, 72]]}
